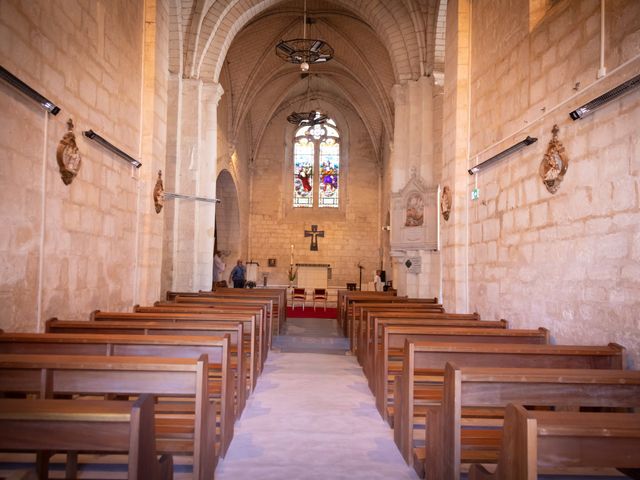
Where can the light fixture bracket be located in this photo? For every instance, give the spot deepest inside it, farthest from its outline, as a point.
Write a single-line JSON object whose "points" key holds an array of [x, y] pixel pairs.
{"points": [[15, 82], [514, 148], [109, 146]]}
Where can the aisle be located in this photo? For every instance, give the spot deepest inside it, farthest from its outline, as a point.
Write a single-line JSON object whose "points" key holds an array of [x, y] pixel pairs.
{"points": [[312, 417]]}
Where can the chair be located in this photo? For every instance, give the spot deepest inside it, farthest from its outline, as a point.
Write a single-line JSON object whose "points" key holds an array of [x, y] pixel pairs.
{"points": [[298, 295], [319, 295]]}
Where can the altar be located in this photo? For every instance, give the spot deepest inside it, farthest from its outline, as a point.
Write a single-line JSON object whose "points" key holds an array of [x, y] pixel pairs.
{"points": [[313, 275]]}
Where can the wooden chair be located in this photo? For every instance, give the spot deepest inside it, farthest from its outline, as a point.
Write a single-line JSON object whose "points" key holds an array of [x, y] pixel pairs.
{"points": [[320, 295], [298, 295]]}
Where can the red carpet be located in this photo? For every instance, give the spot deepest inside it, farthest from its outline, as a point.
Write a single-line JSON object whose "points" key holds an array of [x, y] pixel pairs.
{"points": [[308, 312]]}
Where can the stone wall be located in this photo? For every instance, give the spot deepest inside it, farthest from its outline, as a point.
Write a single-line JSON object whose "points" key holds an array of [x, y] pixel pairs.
{"points": [[568, 261], [352, 233], [67, 250]]}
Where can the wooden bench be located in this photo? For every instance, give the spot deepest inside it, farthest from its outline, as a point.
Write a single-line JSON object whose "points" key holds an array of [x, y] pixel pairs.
{"points": [[221, 386], [535, 440], [367, 353], [394, 337], [239, 360], [467, 427], [278, 295], [252, 328], [179, 378], [399, 305], [233, 302], [44, 426], [346, 299], [420, 381]]}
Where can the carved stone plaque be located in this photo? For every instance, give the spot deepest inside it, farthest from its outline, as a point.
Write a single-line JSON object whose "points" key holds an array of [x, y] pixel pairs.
{"points": [[554, 164], [445, 203], [414, 216], [158, 193], [68, 155]]}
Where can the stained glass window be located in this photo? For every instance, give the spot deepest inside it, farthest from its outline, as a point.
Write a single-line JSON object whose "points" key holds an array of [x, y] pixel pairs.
{"points": [[316, 149], [303, 174], [329, 170]]}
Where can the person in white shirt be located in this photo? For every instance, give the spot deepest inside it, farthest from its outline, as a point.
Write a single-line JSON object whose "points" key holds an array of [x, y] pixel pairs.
{"points": [[377, 282]]}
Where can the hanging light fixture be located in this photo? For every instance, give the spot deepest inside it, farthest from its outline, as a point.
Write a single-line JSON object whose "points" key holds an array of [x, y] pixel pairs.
{"points": [[305, 118], [304, 51]]}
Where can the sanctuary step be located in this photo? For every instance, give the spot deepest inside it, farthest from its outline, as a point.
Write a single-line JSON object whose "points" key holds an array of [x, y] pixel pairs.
{"points": [[311, 335]]}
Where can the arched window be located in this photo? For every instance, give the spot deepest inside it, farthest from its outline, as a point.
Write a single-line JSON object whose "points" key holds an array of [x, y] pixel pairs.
{"points": [[316, 165]]}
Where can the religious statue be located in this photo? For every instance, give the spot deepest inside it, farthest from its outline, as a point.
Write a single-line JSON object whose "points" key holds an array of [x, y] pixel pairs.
{"points": [[158, 193], [68, 155], [554, 163], [445, 203], [414, 214]]}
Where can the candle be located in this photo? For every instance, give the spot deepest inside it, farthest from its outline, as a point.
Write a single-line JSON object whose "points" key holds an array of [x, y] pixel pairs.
{"points": [[291, 262]]}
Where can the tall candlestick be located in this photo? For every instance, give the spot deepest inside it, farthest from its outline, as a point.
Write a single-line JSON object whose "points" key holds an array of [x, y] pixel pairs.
{"points": [[291, 262]]}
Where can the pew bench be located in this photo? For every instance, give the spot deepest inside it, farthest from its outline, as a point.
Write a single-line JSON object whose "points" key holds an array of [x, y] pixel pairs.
{"points": [[254, 330], [239, 361], [220, 386], [94, 426], [469, 392], [394, 337], [372, 353], [535, 440], [88, 375], [420, 382]]}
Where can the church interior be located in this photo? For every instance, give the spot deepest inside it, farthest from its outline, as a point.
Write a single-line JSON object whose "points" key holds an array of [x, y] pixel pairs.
{"points": [[463, 160]]}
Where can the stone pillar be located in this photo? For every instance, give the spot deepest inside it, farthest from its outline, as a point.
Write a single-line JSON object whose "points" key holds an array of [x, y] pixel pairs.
{"points": [[413, 141], [195, 170], [455, 157], [206, 185]]}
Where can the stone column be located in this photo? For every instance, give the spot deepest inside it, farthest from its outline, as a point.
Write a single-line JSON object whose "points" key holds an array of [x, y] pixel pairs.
{"points": [[206, 185], [413, 141], [195, 170]]}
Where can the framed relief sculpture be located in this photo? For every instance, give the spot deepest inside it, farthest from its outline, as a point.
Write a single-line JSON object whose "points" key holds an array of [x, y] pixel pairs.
{"points": [[554, 163], [68, 155]]}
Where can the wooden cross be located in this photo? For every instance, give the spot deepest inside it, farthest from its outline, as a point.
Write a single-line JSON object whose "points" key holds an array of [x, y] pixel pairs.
{"points": [[314, 234]]}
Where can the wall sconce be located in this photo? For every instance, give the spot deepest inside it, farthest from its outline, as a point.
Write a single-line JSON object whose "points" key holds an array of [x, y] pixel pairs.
{"points": [[505, 153], [596, 103], [14, 81], [109, 146]]}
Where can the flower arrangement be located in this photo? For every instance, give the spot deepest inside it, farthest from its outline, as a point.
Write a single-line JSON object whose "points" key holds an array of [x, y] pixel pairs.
{"points": [[292, 274]]}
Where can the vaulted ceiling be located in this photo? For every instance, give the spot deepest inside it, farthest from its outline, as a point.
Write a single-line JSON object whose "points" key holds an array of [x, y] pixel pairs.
{"points": [[377, 43]]}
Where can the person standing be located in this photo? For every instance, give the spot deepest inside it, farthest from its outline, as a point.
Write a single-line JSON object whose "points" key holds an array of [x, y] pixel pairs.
{"points": [[238, 275], [218, 267], [377, 281]]}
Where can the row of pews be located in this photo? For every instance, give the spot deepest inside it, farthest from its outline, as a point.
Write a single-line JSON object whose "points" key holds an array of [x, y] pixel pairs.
{"points": [[156, 383], [469, 395]]}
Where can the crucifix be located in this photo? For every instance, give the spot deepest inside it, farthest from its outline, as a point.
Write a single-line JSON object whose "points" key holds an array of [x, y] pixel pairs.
{"points": [[314, 234]]}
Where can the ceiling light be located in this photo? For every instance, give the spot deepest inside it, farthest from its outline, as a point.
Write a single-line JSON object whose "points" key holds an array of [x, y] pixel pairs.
{"points": [[304, 51]]}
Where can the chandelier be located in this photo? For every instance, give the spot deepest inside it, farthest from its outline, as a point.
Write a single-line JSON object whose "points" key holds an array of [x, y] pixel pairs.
{"points": [[304, 51], [303, 117]]}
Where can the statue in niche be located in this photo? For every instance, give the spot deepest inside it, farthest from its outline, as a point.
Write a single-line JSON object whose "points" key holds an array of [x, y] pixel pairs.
{"points": [[445, 203], [158, 193], [68, 155], [414, 213], [554, 164]]}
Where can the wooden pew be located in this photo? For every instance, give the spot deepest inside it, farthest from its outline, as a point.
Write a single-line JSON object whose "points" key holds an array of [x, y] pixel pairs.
{"points": [[255, 329], [239, 360], [372, 345], [346, 296], [278, 295], [461, 431], [41, 426], [220, 386], [390, 359], [536, 440], [423, 369], [220, 313], [407, 304], [370, 334], [221, 302], [47, 375]]}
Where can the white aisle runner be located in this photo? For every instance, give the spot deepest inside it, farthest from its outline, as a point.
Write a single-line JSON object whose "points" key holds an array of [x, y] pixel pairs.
{"points": [[312, 416]]}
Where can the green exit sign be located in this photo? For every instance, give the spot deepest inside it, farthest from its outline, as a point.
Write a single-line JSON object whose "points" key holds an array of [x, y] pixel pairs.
{"points": [[475, 194]]}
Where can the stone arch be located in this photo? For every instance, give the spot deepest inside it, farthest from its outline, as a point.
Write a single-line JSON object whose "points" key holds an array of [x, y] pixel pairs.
{"points": [[221, 21], [228, 233]]}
